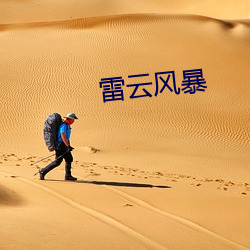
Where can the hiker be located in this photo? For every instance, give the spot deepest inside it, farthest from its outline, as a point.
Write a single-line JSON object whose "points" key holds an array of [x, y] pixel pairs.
{"points": [[63, 149]]}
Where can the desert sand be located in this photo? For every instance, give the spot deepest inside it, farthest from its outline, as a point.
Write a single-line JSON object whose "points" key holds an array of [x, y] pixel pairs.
{"points": [[166, 170]]}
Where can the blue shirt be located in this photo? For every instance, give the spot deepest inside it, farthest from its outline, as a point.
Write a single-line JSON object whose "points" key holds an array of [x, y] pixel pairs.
{"points": [[64, 128]]}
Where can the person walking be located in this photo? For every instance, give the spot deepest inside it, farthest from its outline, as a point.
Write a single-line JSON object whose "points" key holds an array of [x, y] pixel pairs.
{"points": [[63, 149]]}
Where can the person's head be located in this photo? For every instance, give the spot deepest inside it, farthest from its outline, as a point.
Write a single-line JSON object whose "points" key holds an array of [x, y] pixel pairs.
{"points": [[70, 118]]}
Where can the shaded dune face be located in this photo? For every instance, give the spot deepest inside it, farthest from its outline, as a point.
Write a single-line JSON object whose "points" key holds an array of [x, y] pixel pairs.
{"points": [[9, 197]]}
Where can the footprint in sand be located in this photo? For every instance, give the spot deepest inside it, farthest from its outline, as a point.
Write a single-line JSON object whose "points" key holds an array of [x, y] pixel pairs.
{"points": [[128, 205]]}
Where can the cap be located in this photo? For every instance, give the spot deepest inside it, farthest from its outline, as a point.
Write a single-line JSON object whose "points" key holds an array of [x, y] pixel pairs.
{"points": [[71, 116]]}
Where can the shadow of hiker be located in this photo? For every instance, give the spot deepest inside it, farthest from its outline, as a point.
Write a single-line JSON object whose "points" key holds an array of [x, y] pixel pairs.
{"points": [[122, 184]]}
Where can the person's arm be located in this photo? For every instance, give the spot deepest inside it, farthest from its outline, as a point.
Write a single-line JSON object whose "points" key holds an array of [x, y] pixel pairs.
{"points": [[66, 142]]}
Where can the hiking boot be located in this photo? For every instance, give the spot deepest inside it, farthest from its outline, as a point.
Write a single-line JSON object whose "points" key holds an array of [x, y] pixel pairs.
{"points": [[41, 175], [70, 178]]}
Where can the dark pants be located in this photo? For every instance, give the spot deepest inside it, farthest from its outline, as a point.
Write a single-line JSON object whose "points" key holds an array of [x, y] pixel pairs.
{"points": [[67, 156]]}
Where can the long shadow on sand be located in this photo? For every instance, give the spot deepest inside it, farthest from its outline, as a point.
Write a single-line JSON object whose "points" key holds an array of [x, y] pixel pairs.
{"points": [[114, 183], [122, 184]]}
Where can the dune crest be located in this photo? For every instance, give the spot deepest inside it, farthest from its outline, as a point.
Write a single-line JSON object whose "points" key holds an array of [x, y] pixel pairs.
{"points": [[119, 21]]}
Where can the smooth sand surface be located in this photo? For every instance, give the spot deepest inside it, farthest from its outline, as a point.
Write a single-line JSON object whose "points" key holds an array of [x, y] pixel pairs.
{"points": [[170, 171]]}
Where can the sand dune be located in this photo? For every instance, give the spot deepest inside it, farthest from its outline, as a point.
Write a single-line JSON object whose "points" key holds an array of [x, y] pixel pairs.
{"points": [[170, 171], [214, 122]]}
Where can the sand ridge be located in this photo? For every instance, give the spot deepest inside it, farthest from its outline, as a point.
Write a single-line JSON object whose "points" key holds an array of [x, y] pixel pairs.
{"points": [[120, 20]]}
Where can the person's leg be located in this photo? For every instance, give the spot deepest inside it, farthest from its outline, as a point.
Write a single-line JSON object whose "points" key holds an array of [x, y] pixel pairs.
{"points": [[68, 161], [52, 165]]}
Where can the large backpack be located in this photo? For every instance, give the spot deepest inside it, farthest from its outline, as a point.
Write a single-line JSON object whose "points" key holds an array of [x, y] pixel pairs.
{"points": [[50, 130]]}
